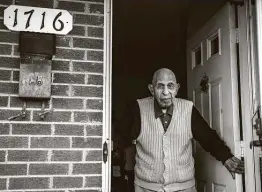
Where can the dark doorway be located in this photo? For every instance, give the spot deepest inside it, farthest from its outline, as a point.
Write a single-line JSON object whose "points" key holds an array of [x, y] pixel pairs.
{"points": [[147, 35]]}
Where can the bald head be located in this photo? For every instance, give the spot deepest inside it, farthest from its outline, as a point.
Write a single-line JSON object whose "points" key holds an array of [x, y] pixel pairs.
{"points": [[163, 74], [164, 87]]}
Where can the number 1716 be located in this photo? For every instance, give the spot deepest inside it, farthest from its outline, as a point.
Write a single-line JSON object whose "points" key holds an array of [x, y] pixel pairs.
{"points": [[30, 13]]}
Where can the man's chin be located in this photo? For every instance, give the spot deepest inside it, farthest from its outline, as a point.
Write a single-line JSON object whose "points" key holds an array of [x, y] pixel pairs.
{"points": [[165, 105]]}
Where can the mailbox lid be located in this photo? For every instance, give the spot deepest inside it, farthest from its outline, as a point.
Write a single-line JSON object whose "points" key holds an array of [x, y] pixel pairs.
{"points": [[37, 44]]}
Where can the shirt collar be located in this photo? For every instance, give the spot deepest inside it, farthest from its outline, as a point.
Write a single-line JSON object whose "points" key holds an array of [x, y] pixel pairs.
{"points": [[159, 112]]}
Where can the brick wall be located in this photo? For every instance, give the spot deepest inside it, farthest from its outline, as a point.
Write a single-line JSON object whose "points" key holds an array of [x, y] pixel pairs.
{"points": [[63, 151]]}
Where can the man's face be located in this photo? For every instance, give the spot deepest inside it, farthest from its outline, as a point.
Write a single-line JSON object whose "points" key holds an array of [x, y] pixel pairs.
{"points": [[164, 89]]}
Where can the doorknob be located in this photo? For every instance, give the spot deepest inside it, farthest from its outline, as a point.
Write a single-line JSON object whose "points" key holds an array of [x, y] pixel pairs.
{"points": [[204, 83], [255, 143]]}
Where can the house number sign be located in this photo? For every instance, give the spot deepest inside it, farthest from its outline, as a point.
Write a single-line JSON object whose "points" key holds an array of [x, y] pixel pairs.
{"points": [[35, 19]]}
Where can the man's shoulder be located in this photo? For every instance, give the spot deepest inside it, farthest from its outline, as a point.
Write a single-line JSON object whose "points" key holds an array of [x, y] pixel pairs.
{"points": [[145, 99], [185, 101]]}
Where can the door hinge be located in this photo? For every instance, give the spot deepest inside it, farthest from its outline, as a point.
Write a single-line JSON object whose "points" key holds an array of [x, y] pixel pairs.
{"points": [[235, 35], [105, 152], [240, 150]]}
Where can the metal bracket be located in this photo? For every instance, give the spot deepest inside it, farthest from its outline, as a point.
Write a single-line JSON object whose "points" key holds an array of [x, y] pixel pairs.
{"points": [[240, 148], [235, 35], [105, 152], [22, 114], [43, 112]]}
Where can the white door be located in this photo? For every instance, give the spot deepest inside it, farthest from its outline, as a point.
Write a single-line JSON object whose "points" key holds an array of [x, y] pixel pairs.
{"points": [[212, 51]]}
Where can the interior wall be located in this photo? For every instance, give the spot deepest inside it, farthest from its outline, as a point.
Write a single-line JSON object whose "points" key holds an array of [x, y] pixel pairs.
{"points": [[147, 35]]}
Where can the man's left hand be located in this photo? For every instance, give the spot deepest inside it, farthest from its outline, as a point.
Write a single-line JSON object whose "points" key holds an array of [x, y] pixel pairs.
{"points": [[234, 165]]}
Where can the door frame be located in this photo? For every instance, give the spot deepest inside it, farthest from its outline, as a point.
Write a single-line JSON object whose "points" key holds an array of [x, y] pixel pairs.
{"points": [[107, 93], [246, 86]]}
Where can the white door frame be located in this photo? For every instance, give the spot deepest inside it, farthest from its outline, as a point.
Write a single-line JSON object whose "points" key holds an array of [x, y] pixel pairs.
{"points": [[248, 108], [107, 93]]}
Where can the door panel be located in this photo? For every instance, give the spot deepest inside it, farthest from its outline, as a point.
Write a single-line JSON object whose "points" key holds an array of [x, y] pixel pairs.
{"points": [[219, 103]]}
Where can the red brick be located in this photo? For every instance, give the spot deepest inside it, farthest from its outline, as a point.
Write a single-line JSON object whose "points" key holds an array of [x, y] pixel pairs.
{"points": [[5, 75], [88, 43], [48, 169], [99, 1], [11, 169], [93, 181], [80, 142], [31, 129], [2, 157], [50, 142], [62, 103], [69, 78], [3, 101], [69, 54], [63, 41], [55, 116], [68, 182], [11, 88], [27, 155], [58, 65], [88, 67], [95, 55], [88, 19], [5, 114], [71, 6], [4, 128], [61, 90], [2, 26], [94, 155], [67, 155], [87, 190], [96, 8], [29, 183], [16, 50], [34, 3], [9, 62], [94, 104], [72, 130], [9, 37], [6, 2], [13, 142], [87, 168], [77, 30], [15, 75], [87, 91], [95, 32], [95, 79], [18, 102], [5, 49], [3, 184], [88, 117], [94, 130]]}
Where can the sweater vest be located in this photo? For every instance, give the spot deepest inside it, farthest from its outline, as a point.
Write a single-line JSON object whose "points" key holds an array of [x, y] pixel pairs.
{"points": [[164, 160]]}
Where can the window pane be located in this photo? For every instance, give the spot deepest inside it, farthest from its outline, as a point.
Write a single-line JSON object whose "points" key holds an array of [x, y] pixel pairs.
{"points": [[214, 45], [198, 57]]}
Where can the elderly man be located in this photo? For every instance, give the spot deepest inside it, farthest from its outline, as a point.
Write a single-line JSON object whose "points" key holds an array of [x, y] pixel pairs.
{"points": [[163, 126]]}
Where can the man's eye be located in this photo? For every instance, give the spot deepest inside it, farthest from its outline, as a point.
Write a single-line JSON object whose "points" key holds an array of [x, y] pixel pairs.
{"points": [[159, 86], [171, 86]]}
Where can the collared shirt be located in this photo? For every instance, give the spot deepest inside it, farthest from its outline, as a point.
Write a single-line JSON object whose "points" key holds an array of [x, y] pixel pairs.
{"points": [[164, 117], [130, 126]]}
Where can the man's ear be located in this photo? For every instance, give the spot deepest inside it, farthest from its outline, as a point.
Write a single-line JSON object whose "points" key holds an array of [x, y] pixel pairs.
{"points": [[177, 87], [151, 89]]}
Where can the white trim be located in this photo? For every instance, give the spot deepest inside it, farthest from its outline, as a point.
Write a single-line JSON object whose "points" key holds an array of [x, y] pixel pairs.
{"points": [[106, 167], [246, 64]]}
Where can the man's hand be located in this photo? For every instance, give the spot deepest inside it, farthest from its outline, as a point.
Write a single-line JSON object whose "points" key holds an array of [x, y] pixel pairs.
{"points": [[234, 165]]}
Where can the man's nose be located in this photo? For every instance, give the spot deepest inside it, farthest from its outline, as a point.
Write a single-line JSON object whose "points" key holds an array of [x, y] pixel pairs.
{"points": [[165, 91]]}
